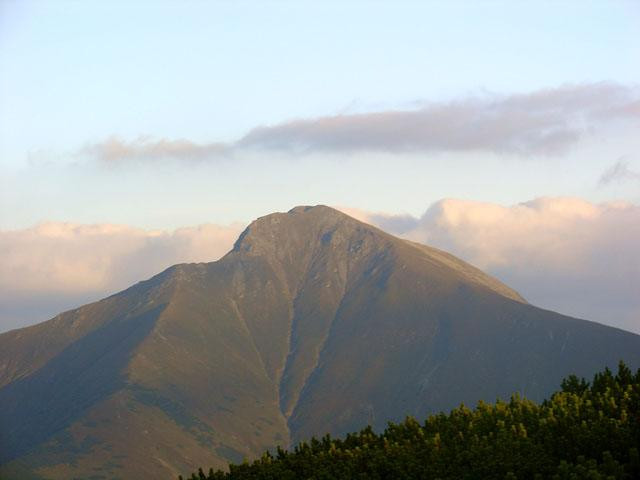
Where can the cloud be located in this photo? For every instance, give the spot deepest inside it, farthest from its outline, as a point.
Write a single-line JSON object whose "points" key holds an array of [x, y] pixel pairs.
{"points": [[397, 224], [564, 254], [56, 266], [619, 172], [543, 122], [115, 149]]}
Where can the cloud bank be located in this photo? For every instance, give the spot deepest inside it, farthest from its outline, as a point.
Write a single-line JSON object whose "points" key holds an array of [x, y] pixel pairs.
{"points": [[543, 122], [565, 254]]}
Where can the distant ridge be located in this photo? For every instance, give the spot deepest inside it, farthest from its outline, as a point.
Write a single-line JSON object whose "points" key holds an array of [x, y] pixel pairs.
{"points": [[314, 322]]}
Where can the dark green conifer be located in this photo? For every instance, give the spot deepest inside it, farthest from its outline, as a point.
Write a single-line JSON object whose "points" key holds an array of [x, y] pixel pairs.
{"points": [[584, 431]]}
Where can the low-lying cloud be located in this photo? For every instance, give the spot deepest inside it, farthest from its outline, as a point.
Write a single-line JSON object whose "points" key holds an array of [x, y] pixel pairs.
{"points": [[544, 122]]}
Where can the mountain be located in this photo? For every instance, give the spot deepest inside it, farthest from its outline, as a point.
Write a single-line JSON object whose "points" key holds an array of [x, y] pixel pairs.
{"points": [[313, 323], [587, 430]]}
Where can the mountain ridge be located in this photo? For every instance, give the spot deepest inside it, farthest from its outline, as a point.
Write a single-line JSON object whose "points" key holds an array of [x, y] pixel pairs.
{"points": [[313, 322]]}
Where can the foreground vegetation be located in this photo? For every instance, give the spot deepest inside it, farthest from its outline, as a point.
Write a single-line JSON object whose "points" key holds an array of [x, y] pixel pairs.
{"points": [[584, 431]]}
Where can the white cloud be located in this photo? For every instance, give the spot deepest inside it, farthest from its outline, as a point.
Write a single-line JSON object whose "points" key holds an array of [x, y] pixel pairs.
{"points": [[565, 254]]}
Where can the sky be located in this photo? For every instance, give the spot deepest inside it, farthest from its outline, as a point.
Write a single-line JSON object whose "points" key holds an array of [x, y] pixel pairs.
{"points": [[134, 135]]}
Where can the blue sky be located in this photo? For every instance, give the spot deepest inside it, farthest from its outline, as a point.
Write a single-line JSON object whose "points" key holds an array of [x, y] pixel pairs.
{"points": [[161, 115], [75, 73], [215, 69]]}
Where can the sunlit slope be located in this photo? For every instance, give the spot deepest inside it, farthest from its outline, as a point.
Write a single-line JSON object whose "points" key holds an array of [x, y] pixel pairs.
{"points": [[313, 323]]}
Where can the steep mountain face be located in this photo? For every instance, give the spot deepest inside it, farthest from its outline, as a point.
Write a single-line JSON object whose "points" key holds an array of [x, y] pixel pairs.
{"points": [[313, 323]]}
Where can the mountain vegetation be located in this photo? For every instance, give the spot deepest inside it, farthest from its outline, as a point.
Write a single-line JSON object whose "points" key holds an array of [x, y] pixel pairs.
{"points": [[584, 431], [313, 323]]}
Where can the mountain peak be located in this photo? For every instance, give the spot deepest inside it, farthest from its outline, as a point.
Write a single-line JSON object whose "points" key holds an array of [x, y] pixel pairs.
{"points": [[295, 228], [306, 208], [293, 239]]}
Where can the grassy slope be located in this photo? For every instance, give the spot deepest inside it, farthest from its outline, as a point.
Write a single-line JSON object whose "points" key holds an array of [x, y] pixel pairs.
{"points": [[585, 431]]}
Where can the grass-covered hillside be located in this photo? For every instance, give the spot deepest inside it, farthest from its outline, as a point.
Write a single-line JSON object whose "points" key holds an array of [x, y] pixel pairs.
{"points": [[314, 323], [584, 431]]}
